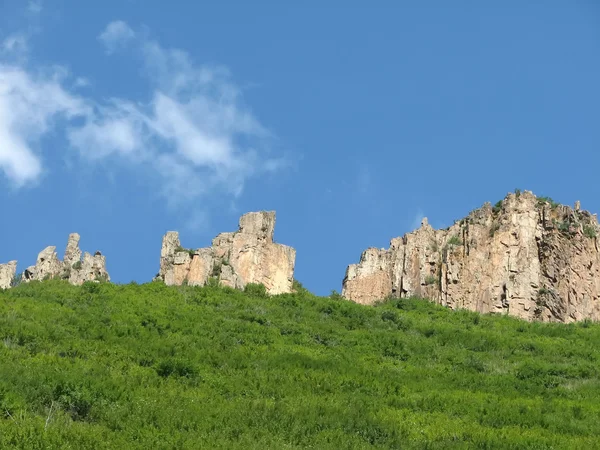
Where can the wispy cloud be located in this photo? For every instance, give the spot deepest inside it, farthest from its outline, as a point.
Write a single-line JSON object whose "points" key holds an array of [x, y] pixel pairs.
{"points": [[115, 35], [193, 131]]}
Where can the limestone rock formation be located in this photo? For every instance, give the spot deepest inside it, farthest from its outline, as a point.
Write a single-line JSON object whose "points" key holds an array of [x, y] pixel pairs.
{"points": [[7, 274], [526, 257], [248, 255], [72, 267]]}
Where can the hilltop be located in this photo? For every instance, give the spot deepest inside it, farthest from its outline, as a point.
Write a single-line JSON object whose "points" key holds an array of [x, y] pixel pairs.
{"points": [[526, 256], [104, 366]]}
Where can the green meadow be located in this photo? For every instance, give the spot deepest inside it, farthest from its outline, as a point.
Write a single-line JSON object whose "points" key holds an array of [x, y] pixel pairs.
{"points": [[106, 366]]}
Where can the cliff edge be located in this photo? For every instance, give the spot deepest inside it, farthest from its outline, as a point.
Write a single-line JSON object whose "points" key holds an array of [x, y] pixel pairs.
{"points": [[527, 257]]}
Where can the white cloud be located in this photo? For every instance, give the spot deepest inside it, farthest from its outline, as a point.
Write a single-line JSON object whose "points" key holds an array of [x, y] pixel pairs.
{"points": [[29, 105], [193, 134], [115, 35], [111, 129]]}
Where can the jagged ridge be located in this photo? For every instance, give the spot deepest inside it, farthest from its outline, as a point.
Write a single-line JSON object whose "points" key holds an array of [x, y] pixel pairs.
{"points": [[526, 256]]}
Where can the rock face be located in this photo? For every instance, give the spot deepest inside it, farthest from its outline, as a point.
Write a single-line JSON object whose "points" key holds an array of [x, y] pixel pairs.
{"points": [[526, 257], [72, 267], [248, 255], [7, 274]]}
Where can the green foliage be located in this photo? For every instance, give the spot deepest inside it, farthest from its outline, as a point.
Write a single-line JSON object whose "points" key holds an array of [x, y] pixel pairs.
{"points": [[563, 226], [541, 201], [430, 279], [299, 288], [335, 295], [256, 290], [76, 265], [17, 280], [213, 282], [105, 366], [495, 227], [589, 231], [497, 207], [434, 247], [66, 274], [517, 193], [216, 270], [189, 251], [455, 240]]}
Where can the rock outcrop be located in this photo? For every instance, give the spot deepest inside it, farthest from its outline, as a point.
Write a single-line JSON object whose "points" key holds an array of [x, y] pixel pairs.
{"points": [[72, 268], [235, 259], [8, 272], [527, 257]]}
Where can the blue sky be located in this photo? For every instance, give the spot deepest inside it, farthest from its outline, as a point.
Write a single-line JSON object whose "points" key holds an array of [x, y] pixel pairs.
{"points": [[128, 118]]}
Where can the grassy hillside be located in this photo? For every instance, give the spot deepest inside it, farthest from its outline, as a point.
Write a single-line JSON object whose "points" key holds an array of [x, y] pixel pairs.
{"points": [[155, 367]]}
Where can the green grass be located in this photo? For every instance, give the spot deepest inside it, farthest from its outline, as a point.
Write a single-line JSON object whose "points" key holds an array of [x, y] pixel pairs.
{"points": [[107, 366]]}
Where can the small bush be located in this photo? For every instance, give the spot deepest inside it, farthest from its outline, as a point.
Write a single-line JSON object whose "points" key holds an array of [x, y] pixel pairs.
{"points": [[541, 201], [76, 265], [589, 231], [17, 280], [335, 295], [299, 288], [497, 207], [256, 290], [189, 251], [176, 368], [455, 240], [430, 280], [564, 226], [216, 270], [213, 282], [495, 227]]}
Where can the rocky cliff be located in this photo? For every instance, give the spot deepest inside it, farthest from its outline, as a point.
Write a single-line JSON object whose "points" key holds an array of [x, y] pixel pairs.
{"points": [[526, 257], [73, 267], [248, 255], [7, 274]]}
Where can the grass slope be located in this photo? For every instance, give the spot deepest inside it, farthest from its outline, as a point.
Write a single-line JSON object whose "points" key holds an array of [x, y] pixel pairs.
{"points": [[155, 367]]}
